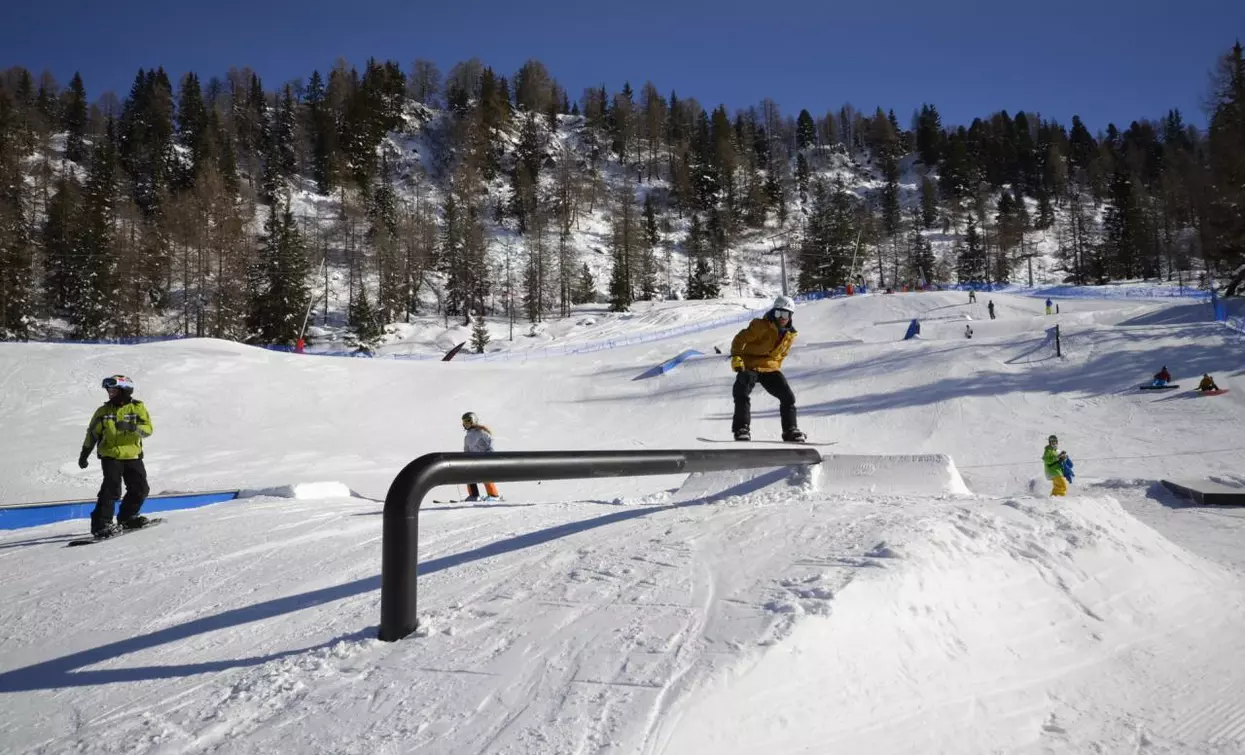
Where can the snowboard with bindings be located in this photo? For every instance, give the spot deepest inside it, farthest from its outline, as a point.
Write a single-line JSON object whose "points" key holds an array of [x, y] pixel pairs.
{"points": [[770, 440], [91, 540], [1219, 392]]}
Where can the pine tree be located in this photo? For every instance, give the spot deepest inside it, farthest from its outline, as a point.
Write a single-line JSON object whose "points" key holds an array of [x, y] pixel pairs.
{"points": [[94, 312], [322, 133], [805, 131], [145, 138], [1225, 219], [971, 262], [829, 239], [62, 270], [16, 250], [479, 333], [193, 128], [585, 287], [620, 283], [921, 266], [703, 283], [929, 203], [801, 177], [887, 145], [929, 138], [280, 160], [278, 282], [647, 279], [74, 120], [365, 320]]}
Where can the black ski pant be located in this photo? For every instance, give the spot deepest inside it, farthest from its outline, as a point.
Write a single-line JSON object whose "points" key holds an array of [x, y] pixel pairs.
{"points": [[116, 471], [776, 385]]}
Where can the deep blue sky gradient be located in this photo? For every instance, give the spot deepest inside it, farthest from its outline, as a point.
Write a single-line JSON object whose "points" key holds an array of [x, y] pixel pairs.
{"points": [[1107, 62]]}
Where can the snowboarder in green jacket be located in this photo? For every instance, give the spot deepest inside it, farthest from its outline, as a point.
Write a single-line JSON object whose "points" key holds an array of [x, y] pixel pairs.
{"points": [[1052, 459], [116, 433]]}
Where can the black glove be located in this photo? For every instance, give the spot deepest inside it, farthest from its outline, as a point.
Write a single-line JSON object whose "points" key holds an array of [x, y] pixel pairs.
{"points": [[82, 459], [126, 427]]}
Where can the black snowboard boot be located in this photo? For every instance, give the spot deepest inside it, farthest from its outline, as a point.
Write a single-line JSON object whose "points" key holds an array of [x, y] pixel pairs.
{"points": [[743, 434], [136, 522], [795, 436], [105, 531]]}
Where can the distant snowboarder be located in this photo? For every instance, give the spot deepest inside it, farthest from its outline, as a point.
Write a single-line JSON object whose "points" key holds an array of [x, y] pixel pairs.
{"points": [[756, 356], [968, 331], [972, 296], [1049, 305], [478, 440], [1207, 384], [1161, 378], [1053, 459], [990, 308]]}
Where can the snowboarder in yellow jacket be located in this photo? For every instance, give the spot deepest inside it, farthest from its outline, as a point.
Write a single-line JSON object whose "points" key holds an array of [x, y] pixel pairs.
{"points": [[116, 433], [1052, 461], [756, 356]]}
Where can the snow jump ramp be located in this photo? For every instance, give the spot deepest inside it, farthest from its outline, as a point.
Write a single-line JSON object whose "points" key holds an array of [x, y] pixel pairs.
{"points": [[838, 474]]}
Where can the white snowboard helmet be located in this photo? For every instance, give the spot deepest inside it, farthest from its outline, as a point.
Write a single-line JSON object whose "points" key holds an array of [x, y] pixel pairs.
{"points": [[784, 302], [121, 382]]}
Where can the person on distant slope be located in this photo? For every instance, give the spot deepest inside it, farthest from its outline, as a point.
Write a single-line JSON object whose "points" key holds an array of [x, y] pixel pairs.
{"points": [[756, 355], [1207, 384], [972, 296], [1049, 304], [478, 440], [968, 331], [990, 307], [1053, 458], [116, 433], [1162, 377]]}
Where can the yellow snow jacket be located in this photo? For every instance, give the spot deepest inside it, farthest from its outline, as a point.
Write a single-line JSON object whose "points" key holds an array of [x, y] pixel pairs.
{"points": [[112, 442], [762, 346]]}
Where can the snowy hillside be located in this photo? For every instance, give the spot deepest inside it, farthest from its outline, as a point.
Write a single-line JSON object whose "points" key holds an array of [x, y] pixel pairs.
{"points": [[917, 592]]}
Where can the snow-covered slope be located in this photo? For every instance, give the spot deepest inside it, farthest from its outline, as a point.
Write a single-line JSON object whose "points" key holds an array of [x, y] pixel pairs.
{"points": [[917, 593]]}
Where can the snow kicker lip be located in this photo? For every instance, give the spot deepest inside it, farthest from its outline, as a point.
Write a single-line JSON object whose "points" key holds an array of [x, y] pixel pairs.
{"points": [[887, 474], [922, 474]]}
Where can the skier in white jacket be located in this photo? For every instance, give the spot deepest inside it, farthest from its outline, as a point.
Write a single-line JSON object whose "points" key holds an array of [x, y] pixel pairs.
{"points": [[478, 440]]}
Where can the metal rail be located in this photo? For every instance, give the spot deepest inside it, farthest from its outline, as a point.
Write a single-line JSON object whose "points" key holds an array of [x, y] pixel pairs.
{"points": [[400, 545]]}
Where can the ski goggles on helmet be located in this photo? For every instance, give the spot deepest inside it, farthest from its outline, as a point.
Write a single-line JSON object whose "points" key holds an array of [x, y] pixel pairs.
{"points": [[784, 313], [118, 381]]}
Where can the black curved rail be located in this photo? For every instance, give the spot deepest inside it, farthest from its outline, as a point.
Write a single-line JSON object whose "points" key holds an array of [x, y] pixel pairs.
{"points": [[400, 546]]}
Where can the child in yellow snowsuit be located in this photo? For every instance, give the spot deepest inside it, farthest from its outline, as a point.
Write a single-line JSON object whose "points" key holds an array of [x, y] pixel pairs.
{"points": [[1054, 467]]}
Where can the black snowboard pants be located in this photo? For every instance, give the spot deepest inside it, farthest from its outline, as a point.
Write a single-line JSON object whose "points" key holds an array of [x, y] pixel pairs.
{"points": [[776, 385], [116, 471]]}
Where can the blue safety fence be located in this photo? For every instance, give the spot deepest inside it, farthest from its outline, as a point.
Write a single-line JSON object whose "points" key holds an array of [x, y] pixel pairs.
{"points": [[17, 516], [1221, 314]]}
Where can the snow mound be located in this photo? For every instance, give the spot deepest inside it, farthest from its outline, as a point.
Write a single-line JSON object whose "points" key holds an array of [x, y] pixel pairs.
{"points": [[1000, 627], [923, 474], [301, 491], [740, 482]]}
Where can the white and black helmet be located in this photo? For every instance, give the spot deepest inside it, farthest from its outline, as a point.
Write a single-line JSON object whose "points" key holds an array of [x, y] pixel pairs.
{"points": [[470, 419]]}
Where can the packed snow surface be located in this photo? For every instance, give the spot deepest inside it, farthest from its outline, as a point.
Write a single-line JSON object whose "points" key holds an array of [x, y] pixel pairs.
{"points": [[917, 592]]}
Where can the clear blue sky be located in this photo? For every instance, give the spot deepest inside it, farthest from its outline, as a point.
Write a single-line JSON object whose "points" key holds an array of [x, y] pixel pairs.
{"points": [[1106, 61]]}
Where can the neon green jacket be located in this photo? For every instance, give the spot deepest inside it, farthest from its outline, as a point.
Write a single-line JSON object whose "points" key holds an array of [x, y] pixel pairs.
{"points": [[1054, 467], [102, 433]]}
